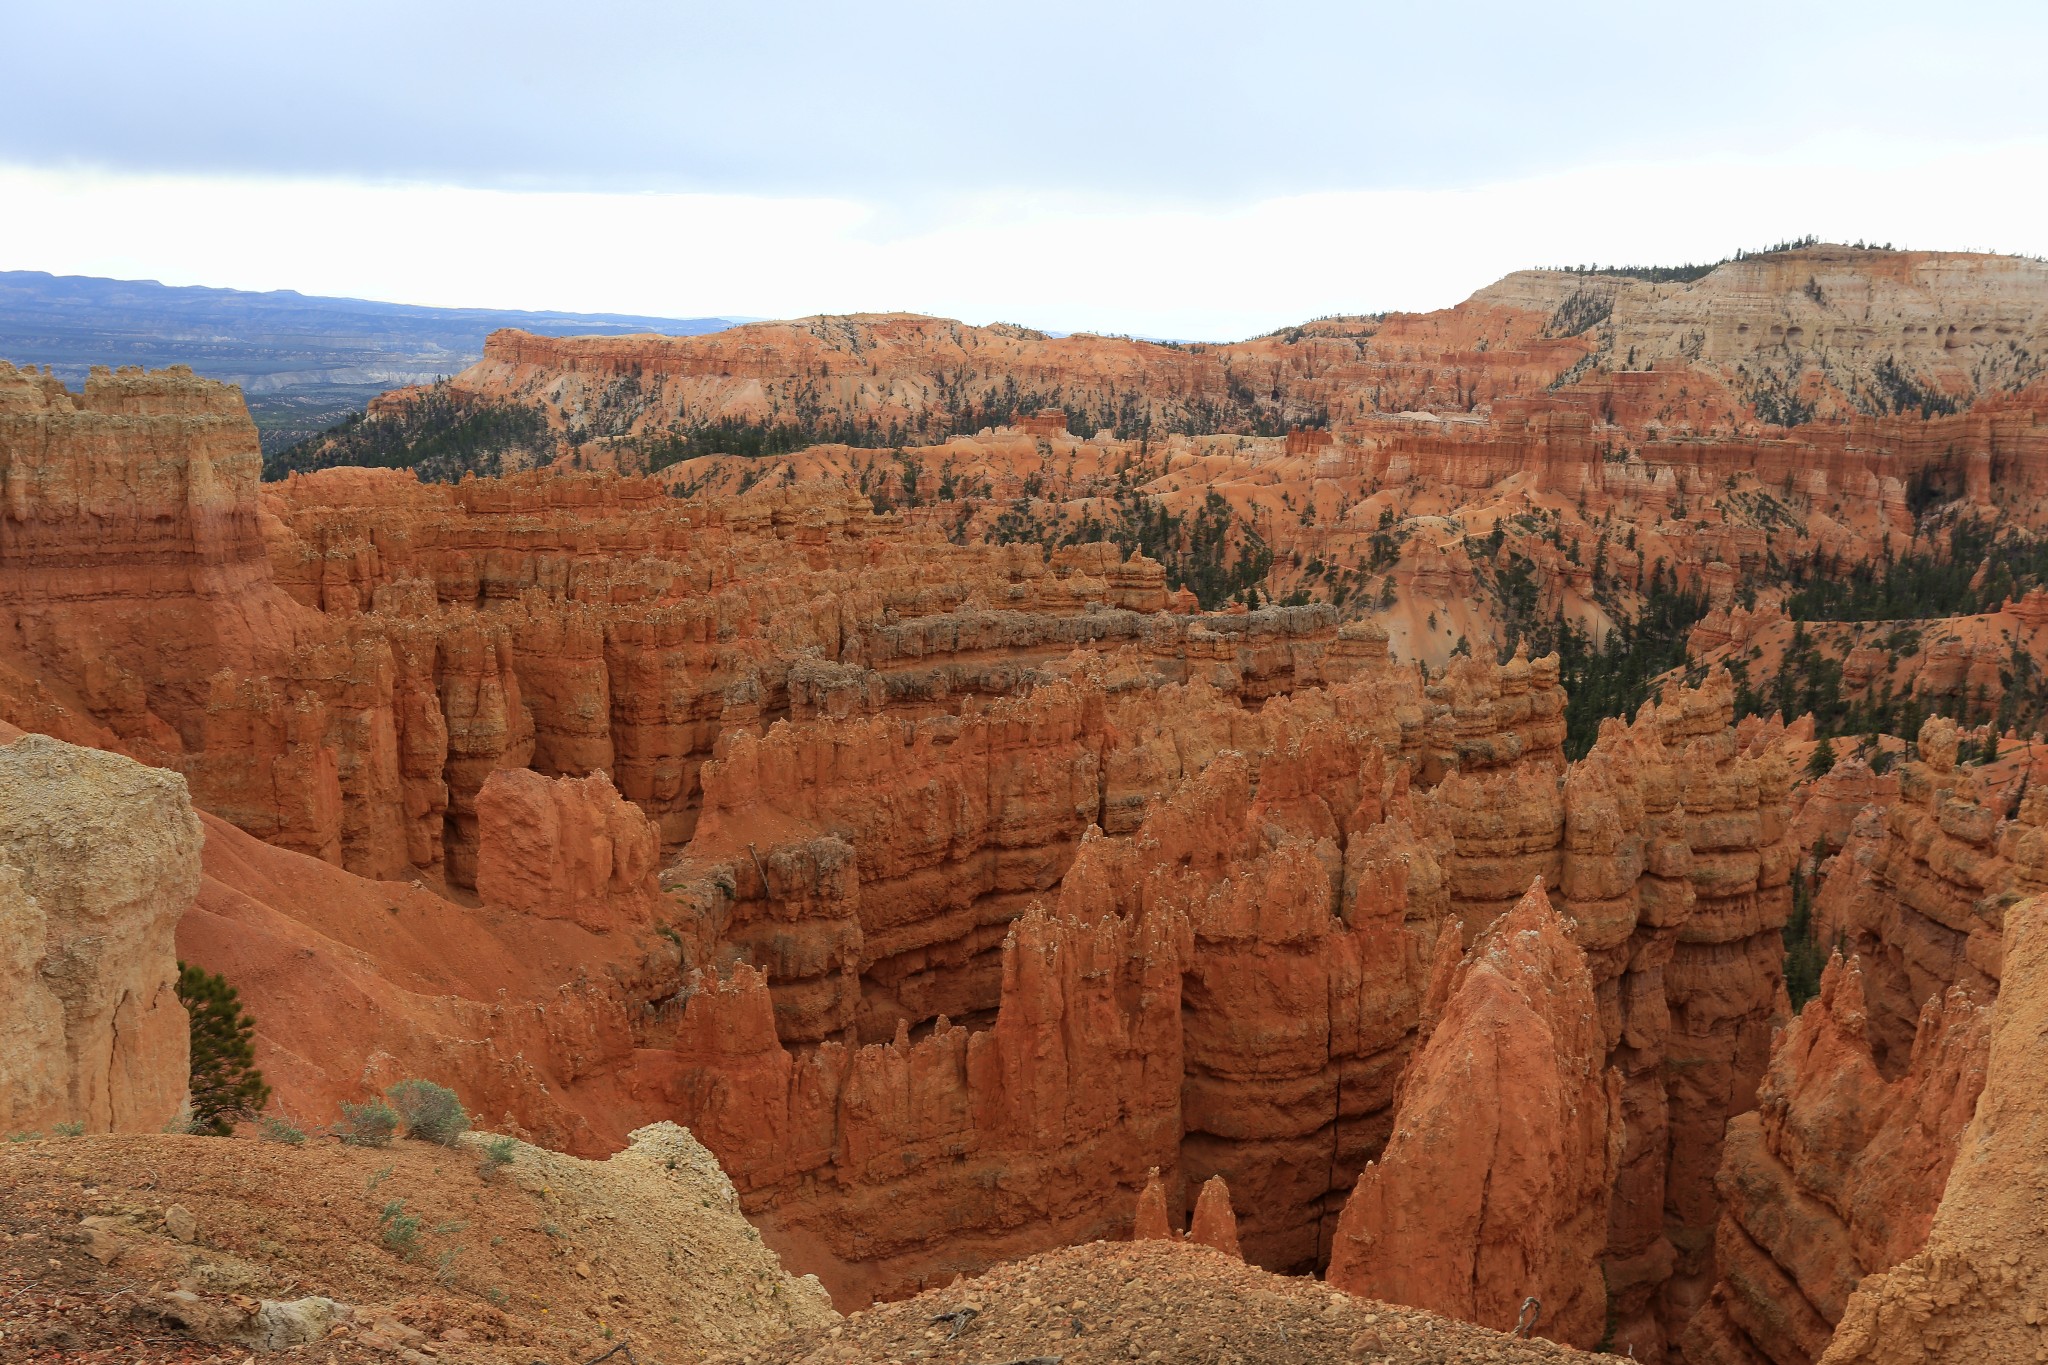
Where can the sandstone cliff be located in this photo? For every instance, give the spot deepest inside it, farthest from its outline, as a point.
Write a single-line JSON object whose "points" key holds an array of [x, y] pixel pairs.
{"points": [[99, 856], [1920, 891], [1976, 1290], [1837, 1173]]}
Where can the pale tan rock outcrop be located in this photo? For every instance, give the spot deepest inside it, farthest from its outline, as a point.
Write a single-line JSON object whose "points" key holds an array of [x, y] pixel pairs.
{"points": [[99, 856], [34, 1066]]}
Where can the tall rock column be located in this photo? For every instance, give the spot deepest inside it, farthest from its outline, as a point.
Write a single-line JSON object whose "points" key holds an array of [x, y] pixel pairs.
{"points": [[1725, 980], [1494, 1187], [1627, 885]]}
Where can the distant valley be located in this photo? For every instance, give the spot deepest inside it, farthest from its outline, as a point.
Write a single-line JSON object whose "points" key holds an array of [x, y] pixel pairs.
{"points": [[304, 362]]}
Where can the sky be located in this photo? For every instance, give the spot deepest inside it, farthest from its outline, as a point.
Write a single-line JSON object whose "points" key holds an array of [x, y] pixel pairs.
{"points": [[1186, 170]]}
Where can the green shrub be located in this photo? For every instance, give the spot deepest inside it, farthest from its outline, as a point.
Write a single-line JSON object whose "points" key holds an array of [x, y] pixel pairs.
{"points": [[73, 1129], [276, 1129], [367, 1125], [498, 1153], [432, 1113], [226, 1086], [401, 1229]]}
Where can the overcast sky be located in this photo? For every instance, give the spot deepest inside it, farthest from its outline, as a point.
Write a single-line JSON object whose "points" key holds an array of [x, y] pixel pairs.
{"points": [[1185, 169]]}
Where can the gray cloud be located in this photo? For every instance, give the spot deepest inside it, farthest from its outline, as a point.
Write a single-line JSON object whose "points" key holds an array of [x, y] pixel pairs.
{"points": [[1192, 101]]}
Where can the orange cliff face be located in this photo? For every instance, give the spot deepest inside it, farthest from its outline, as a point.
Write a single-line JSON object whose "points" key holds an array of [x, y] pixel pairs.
{"points": [[1507, 1137], [991, 883], [1975, 1290], [1920, 890], [119, 632], [1837, 1173], [1559, 431]]}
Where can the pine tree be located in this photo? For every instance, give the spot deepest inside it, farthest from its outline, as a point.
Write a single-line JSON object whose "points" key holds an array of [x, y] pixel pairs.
{"points": [[1823, 759], [226, 1086]]}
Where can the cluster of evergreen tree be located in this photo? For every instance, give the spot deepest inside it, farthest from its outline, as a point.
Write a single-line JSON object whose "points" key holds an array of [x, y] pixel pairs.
{"points": [[1804, 955], [755, 440], [1212, 553], [960, 409], [439, 434], [1613, 677], [1685, 274], [1974, 572], [1808, 681]]}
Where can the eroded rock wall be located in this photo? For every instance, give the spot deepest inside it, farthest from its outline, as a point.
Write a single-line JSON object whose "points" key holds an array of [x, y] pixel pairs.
{"points": [[1837, 1172], [1976, 1290]]}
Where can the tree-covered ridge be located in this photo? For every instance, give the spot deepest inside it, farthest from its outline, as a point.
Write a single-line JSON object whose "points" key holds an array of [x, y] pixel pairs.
{"points": [[962, 411], [1212, 552], [440, 434], [1687, 273], [1957, 566]]}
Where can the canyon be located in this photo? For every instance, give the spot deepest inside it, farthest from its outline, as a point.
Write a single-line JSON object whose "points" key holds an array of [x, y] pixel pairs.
{"points": [[982, 837]]}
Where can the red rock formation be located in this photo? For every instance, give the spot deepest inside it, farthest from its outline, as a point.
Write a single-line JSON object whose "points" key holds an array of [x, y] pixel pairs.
{"points": [[1920, 890], [171, 584], [1152, 1223], [1507, 1137], [1215, 1226], [874, 749], [1009, 1135], [565, 848], [1836, 1174], [1825, 809], [1975, 1291], [1724, 983]]}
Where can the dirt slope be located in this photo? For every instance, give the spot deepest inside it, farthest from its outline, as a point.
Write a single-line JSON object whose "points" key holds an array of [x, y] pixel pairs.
{"points": [[552, 1259]]}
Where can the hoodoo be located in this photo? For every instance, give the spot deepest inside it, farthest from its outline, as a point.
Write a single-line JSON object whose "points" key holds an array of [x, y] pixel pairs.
{"points": [[1494, 1187]]}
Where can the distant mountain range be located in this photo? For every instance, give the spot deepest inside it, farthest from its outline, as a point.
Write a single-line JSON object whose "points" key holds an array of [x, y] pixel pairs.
{"points": [[304, 362]]}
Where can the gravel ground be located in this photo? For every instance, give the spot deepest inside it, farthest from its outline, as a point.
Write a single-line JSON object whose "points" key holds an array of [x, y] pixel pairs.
{"points": [[1147, 1301]]}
